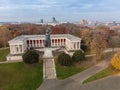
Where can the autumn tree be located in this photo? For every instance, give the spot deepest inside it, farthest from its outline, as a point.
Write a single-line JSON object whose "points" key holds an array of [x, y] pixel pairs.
{"points": [[71, 28], [98, 45], [102, 28], [114, 42], [115, 62], [5, 35], [83, 22], [86, 35]]}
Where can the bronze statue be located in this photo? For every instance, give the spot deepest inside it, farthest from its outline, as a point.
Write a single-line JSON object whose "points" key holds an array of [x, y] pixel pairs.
{"points": [[47, 42]]}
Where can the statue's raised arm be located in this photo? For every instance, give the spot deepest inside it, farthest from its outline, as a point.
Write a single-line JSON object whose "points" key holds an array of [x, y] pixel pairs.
{"points": [[47, 42]]}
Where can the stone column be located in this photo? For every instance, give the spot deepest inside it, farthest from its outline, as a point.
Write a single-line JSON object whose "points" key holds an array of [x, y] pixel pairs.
{"points": [[76, 45], [42, 43], [62, 42], [79, 45], [22, 48], [35, 43], [10, 49], [18, 49], [57, 42], [38, 43], [32, 43], [14, 49], [51, 42], [29, 42], [54, 43]]}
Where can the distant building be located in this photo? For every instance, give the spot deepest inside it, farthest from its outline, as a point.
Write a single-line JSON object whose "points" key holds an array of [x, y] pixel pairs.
{"points": [[41, 21], [83, 22], [54, 20]]}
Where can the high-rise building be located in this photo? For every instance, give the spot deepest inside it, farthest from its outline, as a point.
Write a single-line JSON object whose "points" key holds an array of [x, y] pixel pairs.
{"points": [[54, 20], [41, 21]]}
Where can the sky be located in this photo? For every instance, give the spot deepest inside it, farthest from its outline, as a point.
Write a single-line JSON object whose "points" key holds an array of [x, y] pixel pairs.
{"points": [[62, 10]]}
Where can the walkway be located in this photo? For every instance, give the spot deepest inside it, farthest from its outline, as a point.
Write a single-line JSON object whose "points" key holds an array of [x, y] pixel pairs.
{"points": [[79, 78], [74, 82], [2, 62], [49, 71], [108, 83]]}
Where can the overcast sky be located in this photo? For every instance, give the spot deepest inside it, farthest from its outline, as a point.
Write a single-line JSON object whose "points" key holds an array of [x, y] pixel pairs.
{"points": [[63, 10]]}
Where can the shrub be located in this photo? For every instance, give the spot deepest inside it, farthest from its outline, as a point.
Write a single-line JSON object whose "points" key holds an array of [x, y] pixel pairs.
{"points": [[84, 48], [78, 56], [64, 59], [115, 62], [30, 57]]}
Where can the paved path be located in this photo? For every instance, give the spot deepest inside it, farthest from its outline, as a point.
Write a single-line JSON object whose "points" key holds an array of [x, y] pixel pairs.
{"points": [[74, 82], [49, 71], [10, 61], [79, 78], [109, 83]]}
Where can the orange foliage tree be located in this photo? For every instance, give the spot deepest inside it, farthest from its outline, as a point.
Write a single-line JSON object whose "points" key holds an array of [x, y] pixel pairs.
{"points": [[115, 62]]}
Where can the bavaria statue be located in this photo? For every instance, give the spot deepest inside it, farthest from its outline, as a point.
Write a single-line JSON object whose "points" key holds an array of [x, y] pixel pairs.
{"points": [[47, 42]]}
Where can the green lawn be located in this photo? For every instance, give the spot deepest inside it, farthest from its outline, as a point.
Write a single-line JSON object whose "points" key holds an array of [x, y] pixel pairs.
{"points": [[65, 72], [4, 53], [104, 73], [17, 76]]}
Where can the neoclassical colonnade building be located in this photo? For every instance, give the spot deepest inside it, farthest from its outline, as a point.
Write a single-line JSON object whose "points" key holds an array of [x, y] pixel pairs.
{"points": [[21, 43]]}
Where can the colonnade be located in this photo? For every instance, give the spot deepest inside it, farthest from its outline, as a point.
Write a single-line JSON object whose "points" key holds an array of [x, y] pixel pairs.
{"points": [[40, 43], [19, 48], [70, 45]]}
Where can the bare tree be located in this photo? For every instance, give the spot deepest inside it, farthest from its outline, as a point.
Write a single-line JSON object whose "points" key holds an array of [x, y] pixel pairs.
{"points": [[86, 35], [5, 35], [98, 45]]}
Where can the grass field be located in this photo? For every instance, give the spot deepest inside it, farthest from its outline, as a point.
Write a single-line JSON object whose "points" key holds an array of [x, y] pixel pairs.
{"points": [[4, 53], [104, 73], [17, 76], [65, 72]]}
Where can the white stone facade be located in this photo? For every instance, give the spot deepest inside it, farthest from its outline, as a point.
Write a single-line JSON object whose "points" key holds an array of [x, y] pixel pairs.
{"points": [[19, 44]]}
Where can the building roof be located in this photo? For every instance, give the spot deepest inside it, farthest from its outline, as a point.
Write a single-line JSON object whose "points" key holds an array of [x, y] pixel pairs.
{"points": [[26, 37]]}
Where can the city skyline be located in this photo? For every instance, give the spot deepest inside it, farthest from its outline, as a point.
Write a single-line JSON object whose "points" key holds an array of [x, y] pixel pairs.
{"points": [[68, 10]]}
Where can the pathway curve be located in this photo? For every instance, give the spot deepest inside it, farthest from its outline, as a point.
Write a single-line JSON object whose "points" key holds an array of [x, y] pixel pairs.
{"points": [[79, 78], [73, 82]]}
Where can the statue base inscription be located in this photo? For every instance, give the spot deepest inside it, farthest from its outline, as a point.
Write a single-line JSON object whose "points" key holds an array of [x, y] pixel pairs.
{"points": [[48, 53]]}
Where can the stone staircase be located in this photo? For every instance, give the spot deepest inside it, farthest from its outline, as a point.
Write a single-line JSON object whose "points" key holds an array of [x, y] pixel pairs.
{"points": [[49, 71]]}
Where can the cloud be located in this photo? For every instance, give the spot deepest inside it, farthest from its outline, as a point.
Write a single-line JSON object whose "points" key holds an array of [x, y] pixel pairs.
{"points": [[86, 6], [60, 8]]}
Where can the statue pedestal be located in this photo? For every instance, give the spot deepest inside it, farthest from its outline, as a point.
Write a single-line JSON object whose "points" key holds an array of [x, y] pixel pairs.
{"points": [[47, 53]]}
